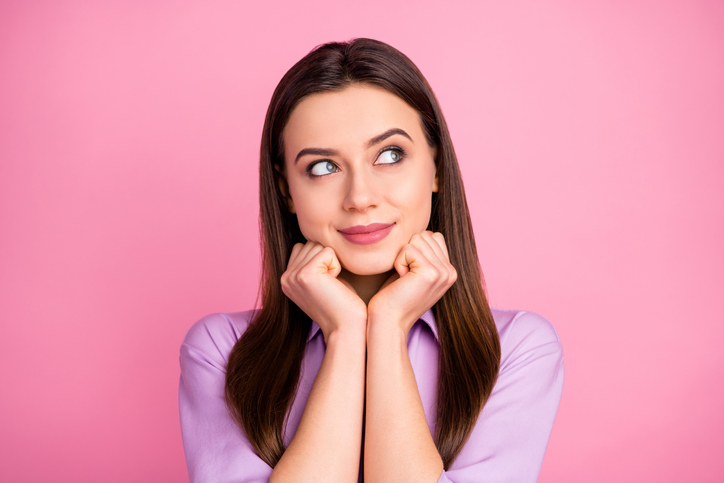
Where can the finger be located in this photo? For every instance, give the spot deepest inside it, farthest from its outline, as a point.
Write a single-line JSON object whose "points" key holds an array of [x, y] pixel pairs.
{"points": [[328, 261], [301, 252], [295, 253], [408, 259], [319, 260], [441, 242], [310, 251], [434, 245], [422, 244], [438, 242]]}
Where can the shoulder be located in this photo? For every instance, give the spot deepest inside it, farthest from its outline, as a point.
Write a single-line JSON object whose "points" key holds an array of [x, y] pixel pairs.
{"points": [[523, 333], [215, 335], [510, 438]]}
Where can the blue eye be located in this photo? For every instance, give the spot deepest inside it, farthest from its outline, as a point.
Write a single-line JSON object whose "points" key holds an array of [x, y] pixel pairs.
{"points": [[390, 156], [323, 168]]}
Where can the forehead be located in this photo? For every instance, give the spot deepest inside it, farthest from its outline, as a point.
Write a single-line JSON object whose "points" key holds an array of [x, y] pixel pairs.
{"points": [[349, 117]]}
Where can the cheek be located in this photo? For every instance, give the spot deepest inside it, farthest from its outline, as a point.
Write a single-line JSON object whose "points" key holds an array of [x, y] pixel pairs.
{"points": [[313, 216], [308, 223], [414, 199]]}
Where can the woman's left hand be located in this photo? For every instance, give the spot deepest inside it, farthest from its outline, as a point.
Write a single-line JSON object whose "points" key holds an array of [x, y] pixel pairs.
{"points": [[423, 275]]}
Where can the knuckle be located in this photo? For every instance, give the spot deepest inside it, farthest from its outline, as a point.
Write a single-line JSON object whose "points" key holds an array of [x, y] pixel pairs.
{"points": [[285, 286], [430, 276], [285, 279], [304, 276], [327, 251], [453, 275], [404, 251]]}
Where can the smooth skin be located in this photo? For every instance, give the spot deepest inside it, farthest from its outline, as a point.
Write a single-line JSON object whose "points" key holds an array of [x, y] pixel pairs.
{"points": [[356, 157]]}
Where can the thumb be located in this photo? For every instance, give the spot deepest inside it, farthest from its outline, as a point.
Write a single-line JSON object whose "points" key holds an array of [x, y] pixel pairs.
{"points": [[329, 263], [405, 260]]}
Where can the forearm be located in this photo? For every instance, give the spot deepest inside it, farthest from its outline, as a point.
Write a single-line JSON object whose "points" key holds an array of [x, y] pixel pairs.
{"points": [[398, 443], [326, 446]]}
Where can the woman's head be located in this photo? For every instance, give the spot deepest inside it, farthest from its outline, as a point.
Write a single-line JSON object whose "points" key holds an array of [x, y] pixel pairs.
{"points": [[338, 84]]}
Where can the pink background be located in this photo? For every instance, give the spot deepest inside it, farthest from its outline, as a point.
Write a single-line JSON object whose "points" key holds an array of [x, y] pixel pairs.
{"points": [[591, 139]]}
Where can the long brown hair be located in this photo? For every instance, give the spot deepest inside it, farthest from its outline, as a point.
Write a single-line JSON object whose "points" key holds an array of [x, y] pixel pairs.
{"points": [[264, 365]]}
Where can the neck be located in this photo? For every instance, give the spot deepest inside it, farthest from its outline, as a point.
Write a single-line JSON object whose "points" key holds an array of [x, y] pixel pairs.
{"points": [[366, 286]]}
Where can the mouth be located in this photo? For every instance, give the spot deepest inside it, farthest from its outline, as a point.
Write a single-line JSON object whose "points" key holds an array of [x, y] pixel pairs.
{"points": [[367, 234]]}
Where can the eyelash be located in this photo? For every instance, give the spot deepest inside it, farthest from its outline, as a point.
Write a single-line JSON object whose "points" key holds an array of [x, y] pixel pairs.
{"points": [[402, 152]]}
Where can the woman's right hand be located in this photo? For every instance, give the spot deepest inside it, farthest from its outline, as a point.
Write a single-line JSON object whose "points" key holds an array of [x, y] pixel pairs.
{"points": [[311, 282]]}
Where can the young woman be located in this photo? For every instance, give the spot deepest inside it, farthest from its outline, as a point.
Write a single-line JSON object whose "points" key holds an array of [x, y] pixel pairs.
{"points": [[375, 355]]}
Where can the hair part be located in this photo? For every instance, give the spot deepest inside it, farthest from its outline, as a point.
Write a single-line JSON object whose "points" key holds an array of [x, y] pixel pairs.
{"points": [[264, 365]]}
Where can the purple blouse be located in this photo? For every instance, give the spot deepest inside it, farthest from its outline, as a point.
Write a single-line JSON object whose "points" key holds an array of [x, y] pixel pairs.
{"points": [[506, 445]]}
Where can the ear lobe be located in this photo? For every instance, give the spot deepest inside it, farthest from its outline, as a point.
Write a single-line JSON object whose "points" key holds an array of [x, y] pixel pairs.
{"points": [[435, 189], [284, 188]]}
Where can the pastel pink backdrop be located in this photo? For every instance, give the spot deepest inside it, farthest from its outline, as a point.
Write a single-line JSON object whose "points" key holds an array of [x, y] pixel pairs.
{"points": [[590, 135]]}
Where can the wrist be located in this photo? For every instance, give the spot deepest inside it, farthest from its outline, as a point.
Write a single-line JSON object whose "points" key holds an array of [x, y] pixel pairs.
{"points": [[349, 334], [388, 328]]}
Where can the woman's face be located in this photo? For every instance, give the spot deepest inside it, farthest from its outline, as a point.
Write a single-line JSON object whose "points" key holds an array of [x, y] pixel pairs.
{"points": [[360, 174]]}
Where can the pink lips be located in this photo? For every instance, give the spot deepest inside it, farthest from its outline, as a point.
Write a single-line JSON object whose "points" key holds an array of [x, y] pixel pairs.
{"points": [[367, 234]]}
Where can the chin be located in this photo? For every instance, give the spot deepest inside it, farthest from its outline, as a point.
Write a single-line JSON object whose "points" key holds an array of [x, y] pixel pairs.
{"points": [[368, 265]]}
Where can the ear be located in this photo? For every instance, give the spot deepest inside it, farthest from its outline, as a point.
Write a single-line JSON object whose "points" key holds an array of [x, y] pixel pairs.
{"points": [[284, 187]]}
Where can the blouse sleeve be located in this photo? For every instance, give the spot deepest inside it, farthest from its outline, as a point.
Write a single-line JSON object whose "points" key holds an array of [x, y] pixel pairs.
{"points": [[216, 449], [510, 438]]}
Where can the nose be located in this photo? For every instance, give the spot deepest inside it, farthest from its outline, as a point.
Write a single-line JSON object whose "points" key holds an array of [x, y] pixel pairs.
{"points": [[362, 192]]}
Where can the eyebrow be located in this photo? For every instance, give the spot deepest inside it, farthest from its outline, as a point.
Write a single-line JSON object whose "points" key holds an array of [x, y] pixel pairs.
{"points": [[387, 134], [333, 152], [316, 152]]}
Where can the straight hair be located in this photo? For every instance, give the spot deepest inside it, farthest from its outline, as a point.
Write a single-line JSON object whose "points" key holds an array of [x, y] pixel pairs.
{"points": [[264, 366]]}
